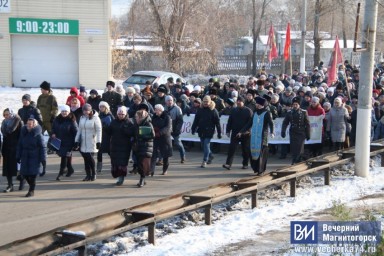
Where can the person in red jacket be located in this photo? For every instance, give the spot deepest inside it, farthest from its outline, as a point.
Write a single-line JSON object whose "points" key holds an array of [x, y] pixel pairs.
{"points": [[75, 94], [315, 109]]}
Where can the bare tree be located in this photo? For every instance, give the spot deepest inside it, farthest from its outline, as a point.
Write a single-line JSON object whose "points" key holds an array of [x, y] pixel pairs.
{"points": [[256, 27]]}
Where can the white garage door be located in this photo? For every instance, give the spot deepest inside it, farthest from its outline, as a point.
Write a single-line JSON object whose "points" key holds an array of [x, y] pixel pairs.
{"points": [[50, 58]]}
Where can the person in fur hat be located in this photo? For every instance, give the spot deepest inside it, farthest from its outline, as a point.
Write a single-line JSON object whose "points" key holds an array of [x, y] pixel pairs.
{"points": [[205, 122]]}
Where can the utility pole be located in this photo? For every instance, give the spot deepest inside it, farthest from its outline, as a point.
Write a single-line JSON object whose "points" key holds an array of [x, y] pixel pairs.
{"points": [[303, 32], [364, 107]]}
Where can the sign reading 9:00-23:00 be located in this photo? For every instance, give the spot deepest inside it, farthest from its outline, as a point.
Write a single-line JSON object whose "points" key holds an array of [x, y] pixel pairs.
{"points": [[43, 26]]}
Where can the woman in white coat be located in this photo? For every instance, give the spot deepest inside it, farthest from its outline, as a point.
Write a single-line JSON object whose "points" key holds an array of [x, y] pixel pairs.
{"points": [[88, 138]]}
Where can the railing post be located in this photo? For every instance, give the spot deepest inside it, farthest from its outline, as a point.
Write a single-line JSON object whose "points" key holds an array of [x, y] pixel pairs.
{"points": [[254, 199], [292, 183], [82, 251], [151, 233], [327, 176], [382, 159], [208, 214]]}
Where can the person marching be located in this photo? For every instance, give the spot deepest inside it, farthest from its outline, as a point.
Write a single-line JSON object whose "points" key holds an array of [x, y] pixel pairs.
{"points": [[299, 131], [121, 132], [88, 138], [238, 117], [65, 128], [106, 119], [31, 152], [10, 128], [143, 145], [205, 122], [162, 124], [258, 125]]}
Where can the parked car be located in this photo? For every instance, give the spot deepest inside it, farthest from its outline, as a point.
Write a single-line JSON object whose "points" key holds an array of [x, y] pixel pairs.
{"points": [[159, 77]]}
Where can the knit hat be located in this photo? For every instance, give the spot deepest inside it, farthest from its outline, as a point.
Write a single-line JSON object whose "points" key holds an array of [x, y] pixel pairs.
{"points": [[296, 100], [130, 89], [64, 108], [159, 107], [87, 107], [111, 83], [240, 98], [261, 101], [184, 97], [104, 103], [197, 100], [93, 91], [45, 85], [168, 98], [82, 88], [162, 89], [144, 107], [137, 88], [315, 100], [121, 110], [234, 94], [26, 97]]}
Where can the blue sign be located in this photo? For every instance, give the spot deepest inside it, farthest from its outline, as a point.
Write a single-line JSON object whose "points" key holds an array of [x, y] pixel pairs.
{"points": [[304, 232]]}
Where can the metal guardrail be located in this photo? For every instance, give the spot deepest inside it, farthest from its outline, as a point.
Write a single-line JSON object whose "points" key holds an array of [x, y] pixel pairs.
{"points": [[66, 238]]}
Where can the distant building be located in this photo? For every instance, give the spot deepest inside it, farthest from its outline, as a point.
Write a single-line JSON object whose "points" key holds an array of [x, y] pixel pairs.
{"points": [[66, 43]]}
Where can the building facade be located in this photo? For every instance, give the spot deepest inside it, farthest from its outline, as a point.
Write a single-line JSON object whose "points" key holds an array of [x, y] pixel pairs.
{"points": [[64, 42]]}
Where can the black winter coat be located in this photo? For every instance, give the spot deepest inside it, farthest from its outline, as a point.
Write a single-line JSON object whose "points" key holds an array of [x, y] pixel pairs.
{"points": [[27, 111], [11, 134], [77, 113], [106, 120], [206, 119], [114, 100], [94, 102], [31, 150], [238, 118], [143, 146], [121, 133], [65, 129], [163, 127]]}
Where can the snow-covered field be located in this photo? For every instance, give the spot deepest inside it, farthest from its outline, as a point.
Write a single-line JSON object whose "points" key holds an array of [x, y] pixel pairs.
{"points": [[234, 221]]}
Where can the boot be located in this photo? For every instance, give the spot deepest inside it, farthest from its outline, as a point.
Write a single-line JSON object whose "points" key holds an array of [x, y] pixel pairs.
{"points": [[30, 193], [88, 177], [183, 160], [99, 166], [165, 169], [70, 172], [93, 176], [8, 189], [134, 170], [120, 181], [61, 172], [141, 182], [210, 159], [22, 183]]}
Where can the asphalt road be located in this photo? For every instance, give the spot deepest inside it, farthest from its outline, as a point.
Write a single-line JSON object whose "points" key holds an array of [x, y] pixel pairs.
{"points": [[59, 203]]}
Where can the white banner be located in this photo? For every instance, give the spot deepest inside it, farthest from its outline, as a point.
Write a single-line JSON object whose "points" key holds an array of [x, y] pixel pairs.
{"points": [[315, 121]]}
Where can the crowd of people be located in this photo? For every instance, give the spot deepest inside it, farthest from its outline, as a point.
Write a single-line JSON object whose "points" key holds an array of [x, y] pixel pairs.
{"points": [[125, 122]]}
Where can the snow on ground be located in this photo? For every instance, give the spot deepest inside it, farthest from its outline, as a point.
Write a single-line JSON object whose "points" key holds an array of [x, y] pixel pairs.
{"points": [[234, 221]]}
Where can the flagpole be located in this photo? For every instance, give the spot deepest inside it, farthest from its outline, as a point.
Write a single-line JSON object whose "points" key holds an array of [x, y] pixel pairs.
{"points": [[290, 58]]}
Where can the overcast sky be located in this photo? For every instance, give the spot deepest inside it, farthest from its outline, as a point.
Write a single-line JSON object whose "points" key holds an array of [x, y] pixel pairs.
{"points": [[120, 7]]}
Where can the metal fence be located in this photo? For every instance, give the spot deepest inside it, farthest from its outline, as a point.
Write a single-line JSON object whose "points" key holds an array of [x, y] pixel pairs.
{"points": [[125, 64]]}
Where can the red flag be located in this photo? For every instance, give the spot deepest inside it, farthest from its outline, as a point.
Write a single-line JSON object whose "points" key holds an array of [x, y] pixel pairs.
{"points": [[336, 58], [287, 47], [272, 45]]}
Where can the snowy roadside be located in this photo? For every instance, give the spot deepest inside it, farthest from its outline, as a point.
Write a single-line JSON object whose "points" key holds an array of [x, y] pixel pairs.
{"points": [[235, 225]]}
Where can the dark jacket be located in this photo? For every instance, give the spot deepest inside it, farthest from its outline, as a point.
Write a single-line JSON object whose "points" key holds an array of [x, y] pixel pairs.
{"points": [[106, 120], [299, 123], [121, 133], [77, 113], [31, 150], [237, 119], [94, 102], [143, 145], [163, 127], [128, 102], [206, 119], [27, 111], [135, 107], [11, 134], [65, 129], [114, 100]]}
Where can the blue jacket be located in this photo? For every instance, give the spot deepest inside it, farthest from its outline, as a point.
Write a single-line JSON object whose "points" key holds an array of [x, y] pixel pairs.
{"points": [[31, 150]]}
